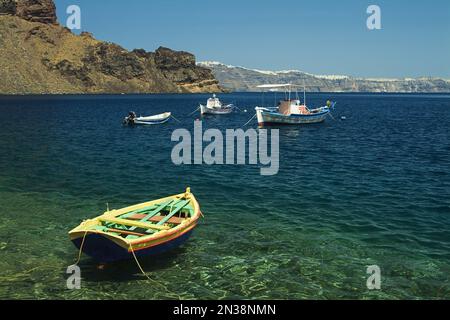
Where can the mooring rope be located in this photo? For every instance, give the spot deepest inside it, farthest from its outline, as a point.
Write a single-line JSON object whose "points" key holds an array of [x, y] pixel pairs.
{"points": [[331, 116], [190, 114], [250, 120], [236, 107], [81, 248], [139, 265], [175, 119], [150, 279], [135, 259]]}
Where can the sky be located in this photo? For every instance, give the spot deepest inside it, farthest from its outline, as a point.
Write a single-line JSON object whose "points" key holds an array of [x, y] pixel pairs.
{"points": [[315, 36]]}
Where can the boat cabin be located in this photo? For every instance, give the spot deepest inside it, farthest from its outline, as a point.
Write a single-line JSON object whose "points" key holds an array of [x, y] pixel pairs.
{"points": [[290, 107], [214, 102]]}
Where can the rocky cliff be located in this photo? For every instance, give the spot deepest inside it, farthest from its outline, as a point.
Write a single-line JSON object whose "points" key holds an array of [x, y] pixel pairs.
{"points": [[244, 79], [37, 55]]}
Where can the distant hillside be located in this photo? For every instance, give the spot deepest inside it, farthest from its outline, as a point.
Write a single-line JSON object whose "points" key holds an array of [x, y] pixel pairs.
{"points": [[244, 79], [37, 56]]}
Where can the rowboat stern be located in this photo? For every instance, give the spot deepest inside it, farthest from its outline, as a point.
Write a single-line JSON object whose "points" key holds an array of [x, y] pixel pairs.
{"points": [[101, 246]]}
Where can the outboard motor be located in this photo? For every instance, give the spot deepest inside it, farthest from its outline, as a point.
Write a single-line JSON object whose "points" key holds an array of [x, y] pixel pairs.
{"points": [[130, 119]]}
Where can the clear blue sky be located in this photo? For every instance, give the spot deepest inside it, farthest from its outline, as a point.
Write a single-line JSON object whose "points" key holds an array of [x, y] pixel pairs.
{"points": [[316, 36]]}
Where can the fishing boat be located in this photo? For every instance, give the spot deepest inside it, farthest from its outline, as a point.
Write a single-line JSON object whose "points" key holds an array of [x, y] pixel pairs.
{"points": [[132, 119], [291, 111], [140, 230], [215, 106]]}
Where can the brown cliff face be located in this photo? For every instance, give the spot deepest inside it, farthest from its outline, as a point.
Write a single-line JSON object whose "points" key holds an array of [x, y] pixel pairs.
{"points": [[43, 11], [180, 68], [7, 7], [40, 56]]}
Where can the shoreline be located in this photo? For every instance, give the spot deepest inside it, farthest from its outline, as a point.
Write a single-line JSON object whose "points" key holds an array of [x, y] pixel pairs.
{"points": [[208, 93]]}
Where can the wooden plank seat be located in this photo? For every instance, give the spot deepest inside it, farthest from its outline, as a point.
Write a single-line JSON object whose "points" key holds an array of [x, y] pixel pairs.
{"points": [[125, 232], [145, 218], [131, 223], [149, 215], [173, 220], [149, 211], [173, 211]]}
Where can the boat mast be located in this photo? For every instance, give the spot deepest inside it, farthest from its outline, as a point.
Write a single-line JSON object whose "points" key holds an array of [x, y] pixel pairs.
{"points": [[304, 95]]}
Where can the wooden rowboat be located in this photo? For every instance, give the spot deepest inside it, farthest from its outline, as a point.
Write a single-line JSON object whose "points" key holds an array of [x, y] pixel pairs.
{"points": [[144, 229]]}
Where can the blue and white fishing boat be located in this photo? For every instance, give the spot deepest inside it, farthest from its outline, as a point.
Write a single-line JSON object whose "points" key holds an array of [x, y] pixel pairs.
{"points": [[132, 119], [291, 111], [215, 106]]}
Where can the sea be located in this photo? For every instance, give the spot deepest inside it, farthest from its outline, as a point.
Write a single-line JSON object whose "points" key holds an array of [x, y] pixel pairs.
{"points": [[370, 190]]}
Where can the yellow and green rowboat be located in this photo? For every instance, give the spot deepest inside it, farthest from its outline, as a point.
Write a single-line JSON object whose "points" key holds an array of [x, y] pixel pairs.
{"points": [[144, 229]]}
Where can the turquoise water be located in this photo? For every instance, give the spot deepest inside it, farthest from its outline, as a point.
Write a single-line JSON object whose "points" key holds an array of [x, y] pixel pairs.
{"points": [[371, 190]]}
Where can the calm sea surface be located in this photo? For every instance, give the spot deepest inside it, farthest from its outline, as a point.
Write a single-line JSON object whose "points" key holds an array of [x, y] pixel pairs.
{"points": [[371, 190]]}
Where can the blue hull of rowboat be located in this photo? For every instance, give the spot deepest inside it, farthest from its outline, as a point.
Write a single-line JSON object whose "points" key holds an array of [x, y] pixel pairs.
{"points": [[106, 251]]}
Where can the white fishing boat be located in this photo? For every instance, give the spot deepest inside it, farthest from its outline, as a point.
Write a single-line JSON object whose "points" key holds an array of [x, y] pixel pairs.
{"points": [[291, 111], [215, 106], [132, 119]]}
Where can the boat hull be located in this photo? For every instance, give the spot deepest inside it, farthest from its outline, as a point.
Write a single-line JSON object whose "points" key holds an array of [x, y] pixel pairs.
{"points": [[149, 123], [146, 121], [103, 250], [216, 111], [273, 118]]}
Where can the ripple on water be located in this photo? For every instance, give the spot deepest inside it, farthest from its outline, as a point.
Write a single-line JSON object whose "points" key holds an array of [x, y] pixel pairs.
{"points": [[374, 189]]}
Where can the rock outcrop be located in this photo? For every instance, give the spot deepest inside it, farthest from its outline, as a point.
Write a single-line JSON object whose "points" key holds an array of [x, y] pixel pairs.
{"points": [[180, 68], [40, 56], [43, 11], [7, 7]]}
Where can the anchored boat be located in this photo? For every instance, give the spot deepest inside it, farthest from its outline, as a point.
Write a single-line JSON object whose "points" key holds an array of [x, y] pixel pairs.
{"points": [[215, 106], [132, 119], [144, 229], [291, 111]]}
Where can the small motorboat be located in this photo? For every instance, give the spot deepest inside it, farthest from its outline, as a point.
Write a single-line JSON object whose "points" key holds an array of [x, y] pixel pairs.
{"points": [[215, 106], [291, 111], [132, 119], [140, 230]]}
